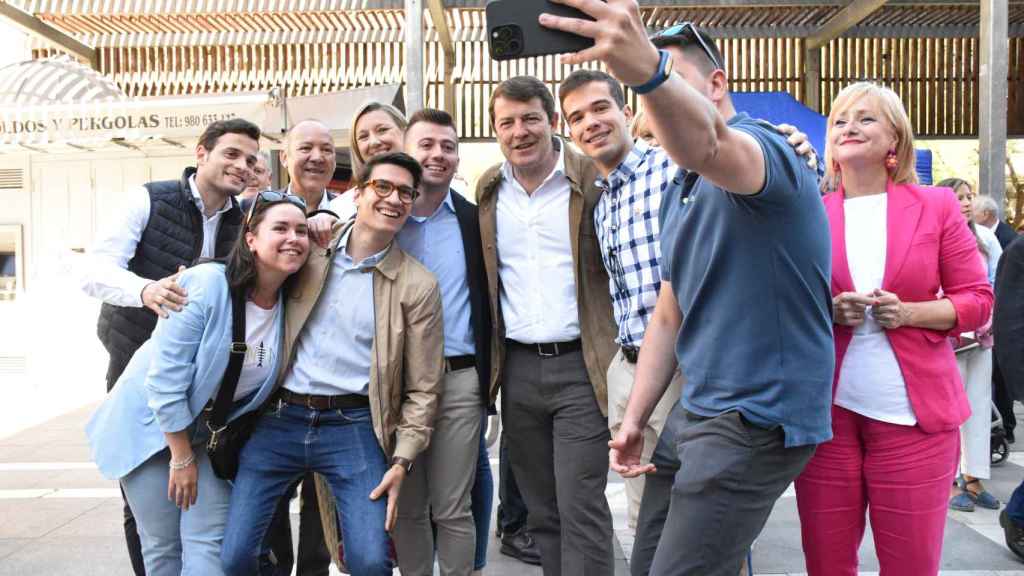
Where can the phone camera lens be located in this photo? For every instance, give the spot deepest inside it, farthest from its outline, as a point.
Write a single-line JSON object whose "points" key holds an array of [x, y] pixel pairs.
{"points": [[514, 46]]}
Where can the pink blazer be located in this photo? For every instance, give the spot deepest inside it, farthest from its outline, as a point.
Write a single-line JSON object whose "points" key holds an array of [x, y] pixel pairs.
{"points": [[929, 249]]}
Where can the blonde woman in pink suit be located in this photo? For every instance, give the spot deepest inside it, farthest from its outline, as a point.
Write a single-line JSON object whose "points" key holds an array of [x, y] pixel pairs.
{"points": [[905, 276]]}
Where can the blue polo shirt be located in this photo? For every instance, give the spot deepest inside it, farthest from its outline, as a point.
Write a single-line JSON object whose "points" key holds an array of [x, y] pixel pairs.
{"points": [[751, 275]]}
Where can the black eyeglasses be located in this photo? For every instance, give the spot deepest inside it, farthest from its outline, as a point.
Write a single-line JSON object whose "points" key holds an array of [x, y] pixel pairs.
{"points": [[383, 188], [680, 30], [270, 197]]}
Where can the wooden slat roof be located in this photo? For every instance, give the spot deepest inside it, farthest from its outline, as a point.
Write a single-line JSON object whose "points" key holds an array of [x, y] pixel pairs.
{"points": [[119, 23]]}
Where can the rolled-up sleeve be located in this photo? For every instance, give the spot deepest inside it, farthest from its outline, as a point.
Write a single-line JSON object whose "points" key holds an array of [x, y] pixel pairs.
{"points": [[962, 271], [424, 370], [175, 345]]}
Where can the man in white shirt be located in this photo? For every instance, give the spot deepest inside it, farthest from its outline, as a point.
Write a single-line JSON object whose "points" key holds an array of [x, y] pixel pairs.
{"points": [[554, 332], [168, 225]]}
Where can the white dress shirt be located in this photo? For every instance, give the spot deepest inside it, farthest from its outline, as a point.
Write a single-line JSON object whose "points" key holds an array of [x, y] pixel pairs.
{"points": [[105, 274], [870, 380], [538, 287], [344, 204], [325, 200]]}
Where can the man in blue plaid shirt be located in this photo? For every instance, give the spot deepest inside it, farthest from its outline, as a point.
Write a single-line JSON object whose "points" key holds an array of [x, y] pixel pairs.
{"points": [[626, 221], [635, 176]]}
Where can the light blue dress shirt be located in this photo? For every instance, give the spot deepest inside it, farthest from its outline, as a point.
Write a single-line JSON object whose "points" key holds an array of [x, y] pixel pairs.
{"points": [[436, 241], [333, 352]]}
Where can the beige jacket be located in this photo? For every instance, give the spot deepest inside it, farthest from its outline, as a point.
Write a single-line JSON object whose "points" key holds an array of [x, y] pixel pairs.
{"points": [[408, 355], [597, 321], [408, 346]]}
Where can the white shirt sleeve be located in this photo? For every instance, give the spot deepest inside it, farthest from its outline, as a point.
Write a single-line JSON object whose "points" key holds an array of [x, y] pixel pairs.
{"points": [[104, 273]]}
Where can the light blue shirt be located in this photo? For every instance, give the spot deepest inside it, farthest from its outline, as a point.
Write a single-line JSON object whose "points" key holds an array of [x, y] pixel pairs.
{"points": [[436, 241], [333, 352]]}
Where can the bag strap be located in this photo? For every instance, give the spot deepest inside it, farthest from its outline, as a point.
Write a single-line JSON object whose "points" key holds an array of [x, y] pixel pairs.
{"points": [[226, 392]]}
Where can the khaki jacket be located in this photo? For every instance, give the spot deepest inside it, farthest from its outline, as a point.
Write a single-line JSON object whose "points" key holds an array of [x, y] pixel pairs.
{"points": [[408, 355], [408, 346], [597, 321]]}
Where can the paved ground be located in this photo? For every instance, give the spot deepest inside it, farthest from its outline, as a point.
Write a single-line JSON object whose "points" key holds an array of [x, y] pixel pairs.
{"points": [[59, 516]]}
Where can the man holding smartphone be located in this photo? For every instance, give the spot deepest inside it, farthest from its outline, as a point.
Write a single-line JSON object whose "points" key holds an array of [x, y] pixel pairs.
{"points": [[753, 410]]}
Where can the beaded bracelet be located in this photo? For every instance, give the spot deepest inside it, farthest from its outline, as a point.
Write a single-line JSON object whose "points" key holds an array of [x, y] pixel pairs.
{"points": [[184, 463]]}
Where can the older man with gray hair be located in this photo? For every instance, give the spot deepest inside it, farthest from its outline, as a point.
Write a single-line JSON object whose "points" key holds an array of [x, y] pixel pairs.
{"points": [[986, 213]]}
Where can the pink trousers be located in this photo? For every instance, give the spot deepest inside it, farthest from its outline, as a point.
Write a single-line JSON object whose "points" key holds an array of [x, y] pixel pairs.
{"points": [[901, 475]]}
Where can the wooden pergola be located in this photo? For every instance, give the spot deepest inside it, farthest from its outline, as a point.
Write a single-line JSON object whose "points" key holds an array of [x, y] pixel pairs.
{"points": [[955, 63]]}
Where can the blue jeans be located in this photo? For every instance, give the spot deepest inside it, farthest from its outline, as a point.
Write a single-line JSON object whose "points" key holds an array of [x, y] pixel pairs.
{"points": [[288, 442], [176, 542], [482, 499]]}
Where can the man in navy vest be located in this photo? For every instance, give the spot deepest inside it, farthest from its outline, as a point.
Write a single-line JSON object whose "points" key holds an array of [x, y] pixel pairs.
{"points": [[164, 227]]}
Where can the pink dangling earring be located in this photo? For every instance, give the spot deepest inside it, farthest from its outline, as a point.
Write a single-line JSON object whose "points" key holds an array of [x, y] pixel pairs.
{"points": [[890, 160]]}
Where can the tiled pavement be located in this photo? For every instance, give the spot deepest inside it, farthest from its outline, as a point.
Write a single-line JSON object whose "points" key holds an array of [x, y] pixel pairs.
{"points": [[59, 516]]}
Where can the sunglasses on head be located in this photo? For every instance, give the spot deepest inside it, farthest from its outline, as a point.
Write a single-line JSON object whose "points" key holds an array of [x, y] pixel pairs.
{"points": [[681, 30], [383, 188], [270, 197]]}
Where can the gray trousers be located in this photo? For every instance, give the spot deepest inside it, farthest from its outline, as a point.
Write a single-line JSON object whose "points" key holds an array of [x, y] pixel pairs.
{"points": [[558, 448], [726, 475], [439, 486]]}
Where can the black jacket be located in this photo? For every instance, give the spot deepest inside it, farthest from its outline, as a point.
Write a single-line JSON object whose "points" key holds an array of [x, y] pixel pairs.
{"points": [[1008, 319], [476, 278], [1005, 234]]}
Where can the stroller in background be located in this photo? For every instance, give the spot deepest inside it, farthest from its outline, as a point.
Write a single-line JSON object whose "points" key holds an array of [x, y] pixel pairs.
{"points": [[997, 440]]}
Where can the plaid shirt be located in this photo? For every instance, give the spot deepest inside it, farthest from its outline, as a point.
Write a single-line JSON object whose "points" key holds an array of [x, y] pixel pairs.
{"points": [[626, 219]]}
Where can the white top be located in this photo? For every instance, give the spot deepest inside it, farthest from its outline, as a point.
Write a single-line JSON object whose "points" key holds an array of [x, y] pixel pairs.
{"points": [[870, 380], [992, 248], [538, 287], [105, 274], [344, 204], [261, 333], [325, 200]]}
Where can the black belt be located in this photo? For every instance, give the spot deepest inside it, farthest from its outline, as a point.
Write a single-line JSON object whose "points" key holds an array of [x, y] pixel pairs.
{"points": [[549, 349], [317, 402], [455, 363], [630, 354]]}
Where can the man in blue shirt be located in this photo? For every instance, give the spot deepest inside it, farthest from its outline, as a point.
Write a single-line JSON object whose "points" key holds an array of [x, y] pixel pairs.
{"points": [[443, 233], [746, 261]]}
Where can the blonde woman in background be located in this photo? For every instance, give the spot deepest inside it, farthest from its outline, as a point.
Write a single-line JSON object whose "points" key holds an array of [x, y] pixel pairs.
{"points": [[377, 128]]}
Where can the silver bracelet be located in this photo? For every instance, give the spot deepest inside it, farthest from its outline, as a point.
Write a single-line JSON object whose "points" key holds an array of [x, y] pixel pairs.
{"points": [[184, 463]]}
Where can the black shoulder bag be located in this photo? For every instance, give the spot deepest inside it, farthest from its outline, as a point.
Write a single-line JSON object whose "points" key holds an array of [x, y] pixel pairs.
{"points": [[226, 439]]}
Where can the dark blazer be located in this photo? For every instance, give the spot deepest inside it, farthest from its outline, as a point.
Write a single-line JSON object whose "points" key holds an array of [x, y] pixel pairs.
{"points": [[476, 277], [1005, 234], [1008, 318]]}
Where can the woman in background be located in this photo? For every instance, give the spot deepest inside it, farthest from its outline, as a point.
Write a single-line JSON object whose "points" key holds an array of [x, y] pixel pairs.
{"points": [[975, 365]]}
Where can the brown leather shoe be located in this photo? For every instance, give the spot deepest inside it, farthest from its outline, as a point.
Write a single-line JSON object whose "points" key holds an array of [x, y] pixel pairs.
{"points": [[521, 546]]}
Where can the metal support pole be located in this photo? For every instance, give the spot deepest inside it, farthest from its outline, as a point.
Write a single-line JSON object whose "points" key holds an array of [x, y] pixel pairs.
{"points": [[994, 47], [413, 56], [812, 78]]}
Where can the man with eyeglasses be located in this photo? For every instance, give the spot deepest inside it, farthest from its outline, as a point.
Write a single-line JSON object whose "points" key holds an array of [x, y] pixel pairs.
{"points": [[308, 157], [359, 388], [134, 263], [554, 332], [746, 262]]}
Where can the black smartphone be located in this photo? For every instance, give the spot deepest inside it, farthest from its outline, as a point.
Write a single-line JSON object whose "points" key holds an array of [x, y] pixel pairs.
{"points": [[513, 30]]}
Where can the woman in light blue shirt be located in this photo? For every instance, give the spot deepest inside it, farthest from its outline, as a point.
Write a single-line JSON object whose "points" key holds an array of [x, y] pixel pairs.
{"points": [[149, 433]]}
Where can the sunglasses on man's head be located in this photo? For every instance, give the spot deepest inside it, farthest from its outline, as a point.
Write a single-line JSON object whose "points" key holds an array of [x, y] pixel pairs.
{"points": [[383, 188], [270, 197], [681, 30]]}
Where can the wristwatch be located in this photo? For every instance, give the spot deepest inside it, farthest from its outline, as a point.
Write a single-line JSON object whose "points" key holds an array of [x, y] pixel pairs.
{"points": [[405, 463], [660, 75]]}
